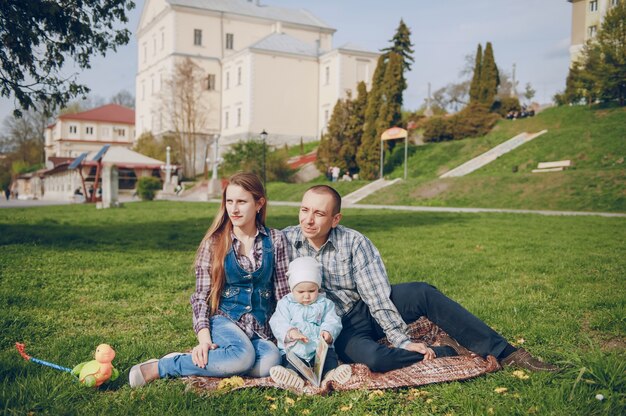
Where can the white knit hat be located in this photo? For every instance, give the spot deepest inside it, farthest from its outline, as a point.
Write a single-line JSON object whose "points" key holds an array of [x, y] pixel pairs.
{"points": [[304, 269]]}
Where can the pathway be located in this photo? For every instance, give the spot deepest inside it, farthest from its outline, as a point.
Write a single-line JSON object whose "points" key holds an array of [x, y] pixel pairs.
{"points": [[491, 154]]}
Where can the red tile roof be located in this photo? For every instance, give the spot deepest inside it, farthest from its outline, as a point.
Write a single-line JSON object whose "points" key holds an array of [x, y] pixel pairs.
{"points": [[112, 113]]}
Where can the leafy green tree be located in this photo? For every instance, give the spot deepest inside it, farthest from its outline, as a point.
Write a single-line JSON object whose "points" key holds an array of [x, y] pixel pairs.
{"points": [[248, 156], [474, 91], [489, 77], [529, 92], [39, 36], [150, 146], [574, 92]]}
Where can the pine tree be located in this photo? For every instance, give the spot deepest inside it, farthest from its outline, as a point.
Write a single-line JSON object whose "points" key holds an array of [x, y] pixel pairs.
{"points": [[332, 140], [475, 84], [489, 77], [401, 44], [368, 154], [354, 128]]}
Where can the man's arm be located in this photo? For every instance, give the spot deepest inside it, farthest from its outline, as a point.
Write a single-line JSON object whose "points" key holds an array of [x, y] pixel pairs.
{"points": [[374, 288]]}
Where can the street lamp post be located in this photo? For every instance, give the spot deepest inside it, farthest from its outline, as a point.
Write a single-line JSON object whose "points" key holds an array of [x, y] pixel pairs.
{"points": [[263, 140]]}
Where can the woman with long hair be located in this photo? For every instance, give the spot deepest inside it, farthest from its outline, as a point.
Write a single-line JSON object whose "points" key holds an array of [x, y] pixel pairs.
{"points": [[241, 270]]}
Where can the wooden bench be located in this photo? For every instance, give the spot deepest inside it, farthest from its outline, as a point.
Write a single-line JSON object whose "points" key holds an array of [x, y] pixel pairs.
{"points": [[556, 166]]}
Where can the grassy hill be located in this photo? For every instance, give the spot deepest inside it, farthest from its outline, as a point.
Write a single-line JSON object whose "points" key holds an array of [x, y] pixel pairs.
{"points": [[593, 139]]}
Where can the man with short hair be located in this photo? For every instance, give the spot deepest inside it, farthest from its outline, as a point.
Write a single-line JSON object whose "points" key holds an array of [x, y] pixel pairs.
{"points": [[355, 279]]}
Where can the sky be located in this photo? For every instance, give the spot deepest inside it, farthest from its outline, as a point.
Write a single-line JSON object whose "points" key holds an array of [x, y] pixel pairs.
{"points": [[533, 34]]}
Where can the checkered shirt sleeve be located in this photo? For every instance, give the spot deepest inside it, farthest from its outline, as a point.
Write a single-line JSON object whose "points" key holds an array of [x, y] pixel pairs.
{"points": [[200, 297]]}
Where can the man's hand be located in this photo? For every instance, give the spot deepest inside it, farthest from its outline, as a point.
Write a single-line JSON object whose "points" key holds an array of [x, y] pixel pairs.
{"points": [[327, 337], [200, 353], [420, 347], [295, 335]]}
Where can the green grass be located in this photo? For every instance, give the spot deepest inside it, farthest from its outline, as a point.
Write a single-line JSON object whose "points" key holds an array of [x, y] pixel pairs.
{"points": [[73, 277], [281, 191], [593, 139]]}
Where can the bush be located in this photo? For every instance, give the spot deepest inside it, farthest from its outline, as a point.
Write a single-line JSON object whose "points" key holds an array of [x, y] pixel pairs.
{"points": [[504, 105], [247, 156], [147, 187], [473, 121]]}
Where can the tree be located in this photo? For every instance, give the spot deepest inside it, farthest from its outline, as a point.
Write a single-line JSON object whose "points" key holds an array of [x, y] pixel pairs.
{"points": [[150, 146], [39, 36], [367, 157], [124, 98], [529, 92], [608, 52], [489, 77], [23, 137], [474, 91], [182, 99], [247, 156], [328, 150], [401, 44], [354, 129]]}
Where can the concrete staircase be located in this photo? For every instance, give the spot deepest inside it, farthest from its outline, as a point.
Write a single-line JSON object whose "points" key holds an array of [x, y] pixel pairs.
{"points": [[491, 155], [368, 189]]}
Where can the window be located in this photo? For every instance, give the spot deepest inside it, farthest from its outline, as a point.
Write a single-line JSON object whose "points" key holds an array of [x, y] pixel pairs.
{"points": [[73, 129], [153, 45], [592, 30], [614, 3], [210, 82], [238, 117], [239, 76], [227, 80], [162, 40], [327, 75], [325, 116], [230, 41], [593, 6], [121, 132], [143, 90], [152, 85], [197, 37], [226, 120], [145, 52], [89, 130]]}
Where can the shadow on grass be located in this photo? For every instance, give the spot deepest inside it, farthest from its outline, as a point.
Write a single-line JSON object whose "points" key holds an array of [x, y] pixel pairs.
{"points": [[185, 235]]}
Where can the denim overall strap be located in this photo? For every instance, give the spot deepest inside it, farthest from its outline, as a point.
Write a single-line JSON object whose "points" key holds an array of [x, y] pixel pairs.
{"points": [[249, 292]]}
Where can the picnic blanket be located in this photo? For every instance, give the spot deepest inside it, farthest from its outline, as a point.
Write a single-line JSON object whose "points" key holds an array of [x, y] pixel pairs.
{"points": [[418, 374]]}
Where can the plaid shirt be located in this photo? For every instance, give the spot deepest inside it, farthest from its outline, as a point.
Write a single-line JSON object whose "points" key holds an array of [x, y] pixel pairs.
{"points": [[200, 298], [352, 270]]}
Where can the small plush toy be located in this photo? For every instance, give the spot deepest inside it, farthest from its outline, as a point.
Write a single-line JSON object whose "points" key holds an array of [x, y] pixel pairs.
{"points": [[95, 372], [90, 373]]}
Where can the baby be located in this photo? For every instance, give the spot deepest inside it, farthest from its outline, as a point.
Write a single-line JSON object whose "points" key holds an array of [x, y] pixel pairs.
{"points": [[301, 317]]}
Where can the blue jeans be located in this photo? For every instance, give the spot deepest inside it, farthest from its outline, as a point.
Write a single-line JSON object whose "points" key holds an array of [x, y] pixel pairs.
{"points": [[236, 355]]}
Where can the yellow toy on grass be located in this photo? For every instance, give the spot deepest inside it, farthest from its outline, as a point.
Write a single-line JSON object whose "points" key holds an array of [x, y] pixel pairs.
{"points": [[95, 372]]}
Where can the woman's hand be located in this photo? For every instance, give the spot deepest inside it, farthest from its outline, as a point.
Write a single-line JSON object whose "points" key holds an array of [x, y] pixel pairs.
{"points": [[420, 347], [200, 353], [327, 337]]}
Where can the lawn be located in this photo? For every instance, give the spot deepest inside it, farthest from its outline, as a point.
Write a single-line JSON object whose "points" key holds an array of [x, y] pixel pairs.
{"points": [[73, 277], [593, 139]]}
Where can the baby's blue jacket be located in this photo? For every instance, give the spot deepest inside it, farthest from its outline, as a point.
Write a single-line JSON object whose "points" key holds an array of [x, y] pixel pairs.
{"points": [[311, 320]]}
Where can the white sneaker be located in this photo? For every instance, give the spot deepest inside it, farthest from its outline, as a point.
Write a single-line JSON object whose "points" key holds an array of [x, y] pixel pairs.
{"points": [[285, 377], [340, 375], [136, 377]]}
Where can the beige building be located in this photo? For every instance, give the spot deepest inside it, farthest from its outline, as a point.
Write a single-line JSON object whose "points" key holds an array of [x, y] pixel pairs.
{"points": [[87, 131], [264, 68], [587, 17]]}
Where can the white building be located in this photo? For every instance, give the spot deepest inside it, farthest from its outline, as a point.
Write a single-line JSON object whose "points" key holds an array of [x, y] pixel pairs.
{"points": [[265, 68], [87, 131]]}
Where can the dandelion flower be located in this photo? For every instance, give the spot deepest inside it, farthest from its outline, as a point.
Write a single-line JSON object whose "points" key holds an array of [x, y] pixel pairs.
{"points": [[273, 406], [230, 383], [501, 390], [375, 393], [306, 412], [346, 408], [270, 398], [289, 401], [521, 374]]}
